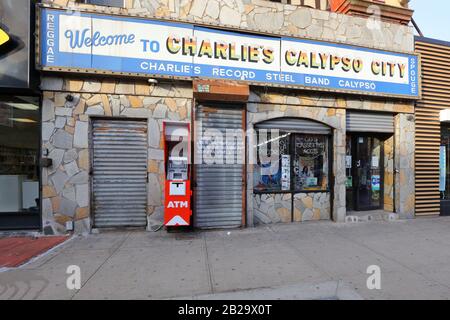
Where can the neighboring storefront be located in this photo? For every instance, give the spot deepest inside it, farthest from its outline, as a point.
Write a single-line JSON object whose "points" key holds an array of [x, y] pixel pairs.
{"points": [[19, 119], [433, 129], [284, 129]]}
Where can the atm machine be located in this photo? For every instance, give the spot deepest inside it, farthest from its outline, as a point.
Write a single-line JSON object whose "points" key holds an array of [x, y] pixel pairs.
{"points": [[177, 200]]}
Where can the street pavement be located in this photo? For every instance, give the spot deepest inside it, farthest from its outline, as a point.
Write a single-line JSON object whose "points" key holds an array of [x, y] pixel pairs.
{"points": [[320, 260]]}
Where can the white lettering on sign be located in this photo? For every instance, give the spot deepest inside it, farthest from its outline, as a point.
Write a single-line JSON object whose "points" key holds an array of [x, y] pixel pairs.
{"points": [[178, 204], [50, 36], [149, 47], [413, 76]]}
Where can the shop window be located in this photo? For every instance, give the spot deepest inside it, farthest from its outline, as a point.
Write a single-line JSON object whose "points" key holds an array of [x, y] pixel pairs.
{"points": [[444, 181], [19, 154], [291, 162]]}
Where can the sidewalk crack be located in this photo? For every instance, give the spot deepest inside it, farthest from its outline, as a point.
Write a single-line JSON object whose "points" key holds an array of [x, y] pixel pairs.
{"points": [[102, 264], [208, 266]]}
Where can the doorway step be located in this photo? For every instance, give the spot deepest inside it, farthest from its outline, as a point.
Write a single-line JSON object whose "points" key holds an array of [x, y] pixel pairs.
{"points": [[370, 216]]}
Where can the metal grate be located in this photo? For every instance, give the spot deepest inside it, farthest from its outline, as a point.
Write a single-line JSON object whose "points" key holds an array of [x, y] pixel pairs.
{"points": [[119, 173], [370, 122], [219, 187], [296, 125]]}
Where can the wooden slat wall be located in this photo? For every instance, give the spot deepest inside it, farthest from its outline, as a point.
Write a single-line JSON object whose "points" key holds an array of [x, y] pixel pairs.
{"points": [[435, 58]]}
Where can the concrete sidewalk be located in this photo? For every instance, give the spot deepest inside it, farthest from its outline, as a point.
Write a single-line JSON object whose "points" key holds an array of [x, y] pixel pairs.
{"points": [[298, 261]]}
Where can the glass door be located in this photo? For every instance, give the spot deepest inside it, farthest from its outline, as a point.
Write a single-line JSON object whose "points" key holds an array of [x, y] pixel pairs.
{"points": [[444, 170], [368, 173]]}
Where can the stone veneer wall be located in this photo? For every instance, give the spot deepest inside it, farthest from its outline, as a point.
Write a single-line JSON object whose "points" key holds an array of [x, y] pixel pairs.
{"points": [[272, 208], [333, 117], [248, 15], [312, 207], [389, 174], [266, 16], [65, 131], [279, 208], [404, 163], [331, 110]]}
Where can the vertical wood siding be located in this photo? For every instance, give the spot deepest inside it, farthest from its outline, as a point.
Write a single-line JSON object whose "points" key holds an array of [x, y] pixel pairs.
{"points": [[435, 66]]}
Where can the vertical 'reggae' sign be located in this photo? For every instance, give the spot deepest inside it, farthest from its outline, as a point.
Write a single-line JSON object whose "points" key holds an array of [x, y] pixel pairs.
{"points": [[88, 42]]}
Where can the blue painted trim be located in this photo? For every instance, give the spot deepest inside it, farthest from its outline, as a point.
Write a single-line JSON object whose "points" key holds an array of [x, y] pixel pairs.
{"points": [[191, 69]]}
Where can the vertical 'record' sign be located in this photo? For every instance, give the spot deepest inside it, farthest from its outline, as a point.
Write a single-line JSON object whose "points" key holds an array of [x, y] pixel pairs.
{"points": [[118, 44]]}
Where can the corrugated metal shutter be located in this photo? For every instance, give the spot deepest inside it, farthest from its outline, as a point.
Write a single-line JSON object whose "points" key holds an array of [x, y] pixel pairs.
{"points": [[219, 187], [295, 125], [435, 64], [119, 173], [370, 122]]}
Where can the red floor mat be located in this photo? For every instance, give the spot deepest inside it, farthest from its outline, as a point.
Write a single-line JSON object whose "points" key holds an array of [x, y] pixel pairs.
{"points": [[18, 250]]}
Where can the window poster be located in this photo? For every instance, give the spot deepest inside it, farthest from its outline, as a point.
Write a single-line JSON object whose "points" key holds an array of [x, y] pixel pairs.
{"points": [[285, 172], [273, 173], [269, 178], [348, 162], [297, 162], [376, 183], [375, 162], [309, 161], [349, 182]]}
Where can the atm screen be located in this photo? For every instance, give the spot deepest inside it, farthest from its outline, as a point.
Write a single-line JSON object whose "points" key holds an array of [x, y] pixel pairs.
{"points": [[177, 169]]}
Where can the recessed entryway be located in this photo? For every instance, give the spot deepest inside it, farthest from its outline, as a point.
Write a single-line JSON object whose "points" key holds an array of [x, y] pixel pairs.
{"points": [[369, 163]]}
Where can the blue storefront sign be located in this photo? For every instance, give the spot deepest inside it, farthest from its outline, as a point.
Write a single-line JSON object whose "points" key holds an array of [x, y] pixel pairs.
{"points": [[88, 42]]}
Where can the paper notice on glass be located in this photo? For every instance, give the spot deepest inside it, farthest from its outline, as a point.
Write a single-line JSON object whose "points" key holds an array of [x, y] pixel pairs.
{"points": [[349, 182], [285, 172], [348, 162], [311, 182], [375, 162]]}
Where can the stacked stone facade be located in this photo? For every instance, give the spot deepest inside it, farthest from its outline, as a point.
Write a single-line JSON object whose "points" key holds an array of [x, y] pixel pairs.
{"points": [[68, 106], [332, 112], [389, 185], [270, 17], [66, 120], [405, 165]]}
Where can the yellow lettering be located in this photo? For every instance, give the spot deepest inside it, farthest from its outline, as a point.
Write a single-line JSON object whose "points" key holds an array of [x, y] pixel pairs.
{"points": [[205, 49], [402, 68]]}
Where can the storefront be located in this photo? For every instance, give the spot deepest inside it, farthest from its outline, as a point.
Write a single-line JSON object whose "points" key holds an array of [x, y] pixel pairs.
{"points": [[19, 119], [284, 128]]}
